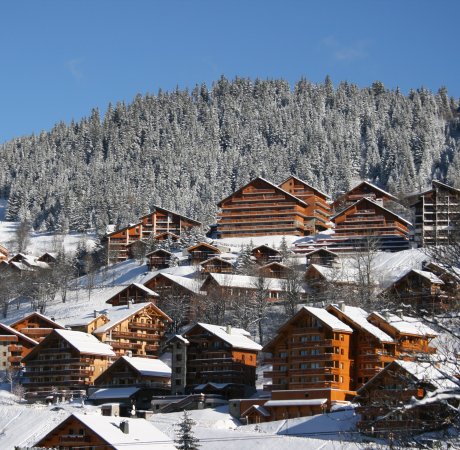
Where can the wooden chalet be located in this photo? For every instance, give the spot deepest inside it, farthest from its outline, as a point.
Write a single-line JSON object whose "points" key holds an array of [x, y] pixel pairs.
{"points": [[88, 323], [48, 258], [366, 220], [365, 189], [411, 336], [159, 259], [261, 208], [275, 270], [322, 257], [134, 293], [371, 349], [311, 357], [139, 372], [319, 207], [135, 330], [64, 363], [157, 222], [201, 252], [4, 255], [265, 254], [93, 431], [382, 399], [36, 326], [13, 347], [231, 285], [216, 265], [279, 408], [137, 249], [212, 356], [421, 289], [437, 215], [166, 236]]}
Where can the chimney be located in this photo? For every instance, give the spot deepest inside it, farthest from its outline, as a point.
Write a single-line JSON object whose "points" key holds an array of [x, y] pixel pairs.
{"points": [[400, 314], [342, 306], [229, 329], [124, 426], [129, 353], [95, 313], [379, 201]]}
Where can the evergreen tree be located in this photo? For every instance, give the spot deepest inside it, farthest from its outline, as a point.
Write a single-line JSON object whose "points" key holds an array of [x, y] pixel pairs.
{"points": [[185, 439]]}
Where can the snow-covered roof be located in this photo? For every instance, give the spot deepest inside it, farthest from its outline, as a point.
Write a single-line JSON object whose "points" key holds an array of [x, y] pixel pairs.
{"points": [[218, 386], [149, 367], [373, 186], [86, 343], [406, 324], [17, 333], [259, 408], [120, 313], [155, 207], [248, 282], [112, 393], [440, 378], [365, 199], [141, 432], [310, 402], [237, 338], [145, 289], [190, 284], [328, 319], [216, 258], [306, 184], [337, 274], [53, 323], [429, 276], [359, 317]]}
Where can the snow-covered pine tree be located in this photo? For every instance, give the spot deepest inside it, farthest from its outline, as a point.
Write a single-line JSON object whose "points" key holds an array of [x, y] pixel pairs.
{"points": [[185, 439]]}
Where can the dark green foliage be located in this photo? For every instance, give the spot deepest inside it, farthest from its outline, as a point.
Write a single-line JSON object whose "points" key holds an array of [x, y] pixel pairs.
{"points": [[185, 439], [187, 150]]}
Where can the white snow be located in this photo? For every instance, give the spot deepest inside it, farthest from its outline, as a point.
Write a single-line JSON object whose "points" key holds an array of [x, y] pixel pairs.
{"points": [[86, 343], [149, 367], [328, 319]]}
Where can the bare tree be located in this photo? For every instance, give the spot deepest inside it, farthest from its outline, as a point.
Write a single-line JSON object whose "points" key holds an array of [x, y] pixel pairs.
{"points": [[261, 288], [22, 236]]}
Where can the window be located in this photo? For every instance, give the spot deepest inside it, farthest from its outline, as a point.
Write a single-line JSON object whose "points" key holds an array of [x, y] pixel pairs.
{"points": [[179, 357], [178, 369]]}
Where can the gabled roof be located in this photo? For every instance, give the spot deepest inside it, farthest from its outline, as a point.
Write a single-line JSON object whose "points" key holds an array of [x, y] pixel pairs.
{"points": [[217, 258], [374, 204], [114, 393], [445, 186], [141, 432], [309, 186], [190, 284], [259, 409], [336, 275], [155, 207], [145, 289], [14, 332], [127, 227], [203, 244], [423, 372], [275, 263], [359, 318], [320, 250], [265, 246], [277, 188], [148, 367], [159, 250], [375, 188], [237, 338], [84, 343], [430, 276], [247, 282], [405, 324], [118, 314], [51, 322]]}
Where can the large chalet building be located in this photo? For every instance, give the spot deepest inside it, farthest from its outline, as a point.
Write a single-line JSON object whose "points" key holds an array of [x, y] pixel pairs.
{"points": [[262, 208], [311, 357], [64, 363], [36, 326], [437, 214], [155, 223], [215, 359]]}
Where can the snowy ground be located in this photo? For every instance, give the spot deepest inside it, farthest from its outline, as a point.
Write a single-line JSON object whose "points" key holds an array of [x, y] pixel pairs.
{"points": [[22, 424]]}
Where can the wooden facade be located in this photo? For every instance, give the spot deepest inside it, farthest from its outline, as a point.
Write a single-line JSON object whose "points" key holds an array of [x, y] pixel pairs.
{"points": [[96, 432], [319, 207], [371, 349], [213, 354], [365, 189], [411, 336], [311, 357], [366, 220], [275, 270], [13, 347], [136, 330], [159, 259], [65, 362], [381, 400], [265, 254], [157, 222], [216, 265], [139, 372], [322, 257], [201, 252], [36, 326], [134, 293], [420, 289], [437, 215], [261, 208]]}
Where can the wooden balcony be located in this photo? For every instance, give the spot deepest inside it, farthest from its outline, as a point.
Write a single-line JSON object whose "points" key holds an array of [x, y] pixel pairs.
{"points": [[69, 439], [138, 336]]}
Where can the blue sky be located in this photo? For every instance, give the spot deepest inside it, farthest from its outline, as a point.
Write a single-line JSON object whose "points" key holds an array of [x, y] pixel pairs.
{"points": [[60, 58]]}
